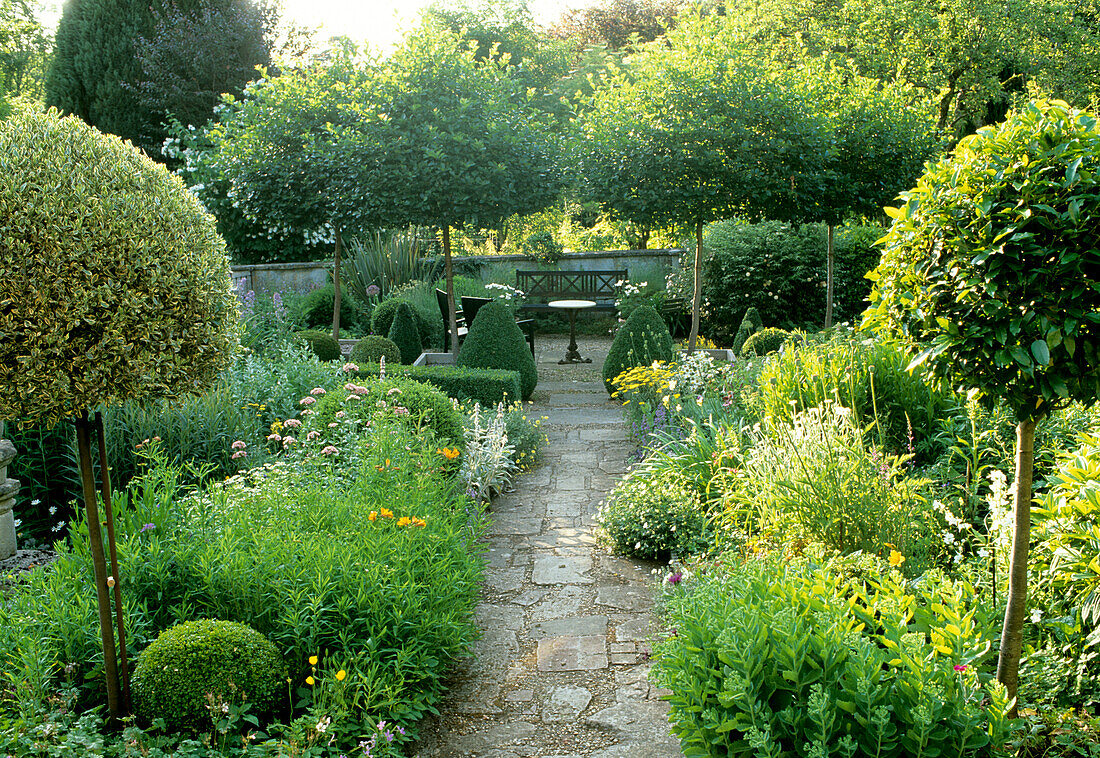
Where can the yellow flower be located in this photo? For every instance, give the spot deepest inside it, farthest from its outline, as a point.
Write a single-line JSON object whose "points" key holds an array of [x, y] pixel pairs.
{"points": [[309, 681], [373, 515], [404, 521], [340, 675], [386, 513], [313, 660], [896, 558]]}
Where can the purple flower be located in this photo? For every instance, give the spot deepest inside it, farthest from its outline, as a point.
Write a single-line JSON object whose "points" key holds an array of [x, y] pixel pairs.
{"points": [[373, 290], [148, 527]]}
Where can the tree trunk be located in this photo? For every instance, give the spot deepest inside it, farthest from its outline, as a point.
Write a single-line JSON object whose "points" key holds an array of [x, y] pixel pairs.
{"points": [[112, 554], [829, 258], [697, 293], [99, 566], [643, 238], [336, 284], [452, 316], [1008, 664]]}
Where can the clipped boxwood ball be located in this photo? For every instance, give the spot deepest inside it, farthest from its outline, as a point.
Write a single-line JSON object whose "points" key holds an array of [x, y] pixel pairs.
{"points": [[495, 341], [315, 308], [372, 347], [644, 338], [404, 333], [322, 344], [187, 663], [765, 341], [115, 284]]}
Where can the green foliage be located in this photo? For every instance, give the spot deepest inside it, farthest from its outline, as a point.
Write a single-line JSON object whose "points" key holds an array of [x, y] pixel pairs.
{"points": [[653, 514], [867, 376], [990, 268], [321, 343], [640, 341], [313, 310], [24, 51], [386, 260], [775, 658], [764, 341], [117, 284], [481, 385], [404, 332], [187, 673], [427, 407], [542, 247], [494, 341], [381, 320], [749, 324], [372, 347], [776, 269]]}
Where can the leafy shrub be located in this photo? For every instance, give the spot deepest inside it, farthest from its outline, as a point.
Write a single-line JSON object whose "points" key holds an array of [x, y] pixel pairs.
{"points": [[321, 343], [424, 406], [387, 260], [495, 341], [524, 435], [372, 347], [189, 670], [749, 324], [869, 376], [382, 319], [313, 309], [481, 385], [763, 342], [774, 658], [404, 333], [489, 460], [652, 514], [640, 341], [542, 247], [815, 479], [779, 269]]}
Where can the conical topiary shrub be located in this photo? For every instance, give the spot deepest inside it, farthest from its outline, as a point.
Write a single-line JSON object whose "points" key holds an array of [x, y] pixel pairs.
{"points": [[750, 325], [644, 338], [495, 341], [372, 347], [405, 334]]}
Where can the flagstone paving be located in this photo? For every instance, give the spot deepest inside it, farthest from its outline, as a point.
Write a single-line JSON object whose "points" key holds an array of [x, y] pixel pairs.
{"points": [[561, 668]]}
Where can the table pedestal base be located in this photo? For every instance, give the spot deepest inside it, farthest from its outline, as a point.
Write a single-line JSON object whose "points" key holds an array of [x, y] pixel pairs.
{"points": [[572, 354]]}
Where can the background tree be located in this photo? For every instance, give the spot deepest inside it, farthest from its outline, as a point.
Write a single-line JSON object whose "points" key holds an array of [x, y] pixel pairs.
{"points": [[116, 287], [618, 23], [194, 56], [992, 272], [698, 129], [454, 147], [96, 56], [24, 50]]}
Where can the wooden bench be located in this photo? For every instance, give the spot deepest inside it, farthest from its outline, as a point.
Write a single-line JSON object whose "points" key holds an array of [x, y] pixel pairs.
{"points": [[539, 287]]}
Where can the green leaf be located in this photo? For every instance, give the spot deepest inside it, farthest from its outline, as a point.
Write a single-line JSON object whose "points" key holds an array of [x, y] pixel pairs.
{"points": [[1041, 352]]}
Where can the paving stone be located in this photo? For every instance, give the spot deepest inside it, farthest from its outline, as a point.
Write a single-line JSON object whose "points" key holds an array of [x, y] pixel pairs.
{"points": [[505, 525], [555, 570], [498, 735], [498, 616], [572, 653], [520, 696], [623, 659], [626, 569], [640, 750], [572, 480], [616, 467], [564, 504], [603, 435], [642, 720], [635, 628], [499, 557], [583, 626], [529, 597], [560, 602], [560, 538], [624, 597], [504, 580], [566, 703], [602, 416], [623, 647]]}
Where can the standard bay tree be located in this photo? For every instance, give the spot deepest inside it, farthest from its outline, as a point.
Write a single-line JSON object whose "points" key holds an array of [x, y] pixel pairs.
{"points": [[116, 287], [991, 275]]}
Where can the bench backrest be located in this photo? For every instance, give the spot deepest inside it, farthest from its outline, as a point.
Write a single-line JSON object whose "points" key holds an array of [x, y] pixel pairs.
{"points": [[591, 285]]}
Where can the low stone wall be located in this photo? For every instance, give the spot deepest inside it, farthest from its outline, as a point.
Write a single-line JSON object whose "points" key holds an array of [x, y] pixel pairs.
{"points": [[299, 277]]}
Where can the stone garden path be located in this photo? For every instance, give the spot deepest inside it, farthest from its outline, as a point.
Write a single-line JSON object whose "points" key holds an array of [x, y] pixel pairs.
{"points": [[561, 668]]}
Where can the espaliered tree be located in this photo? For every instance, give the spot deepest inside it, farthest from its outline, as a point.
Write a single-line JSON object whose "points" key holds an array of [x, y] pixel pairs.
{"points": [[695, 130], [454, 148], [991, 275], [116, 286]]}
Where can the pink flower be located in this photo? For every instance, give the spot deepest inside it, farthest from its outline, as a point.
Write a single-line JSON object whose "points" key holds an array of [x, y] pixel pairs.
{"points": [[292, 423], [239, 454], [401, 410], [360, 390], [333, 425], [349, 367], [312, 435], [960, 667], [341, 414], [307, 401], [276, 437], [372, 290], [238, 445], [354, 397], [317, 391], [329, 450], [393, 391], [288, 441], [306, 412]]}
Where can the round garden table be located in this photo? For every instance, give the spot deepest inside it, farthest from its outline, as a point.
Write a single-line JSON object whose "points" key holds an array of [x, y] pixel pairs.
{"points": [[572, 306]]}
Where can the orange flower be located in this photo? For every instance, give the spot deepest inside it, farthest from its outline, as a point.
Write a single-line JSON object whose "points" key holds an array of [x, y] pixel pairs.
{"points": [[387, 513], [450, 453], [419, 522], [404, 521], [373, 515]]}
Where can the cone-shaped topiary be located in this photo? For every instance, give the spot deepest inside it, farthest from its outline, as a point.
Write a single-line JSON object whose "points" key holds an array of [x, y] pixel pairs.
{"points": [[763, 342], [495, 341], [750, 325], [382, 319], [372, 347], [190, 663], [644, 338], [321, 343], [403, 333]]}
